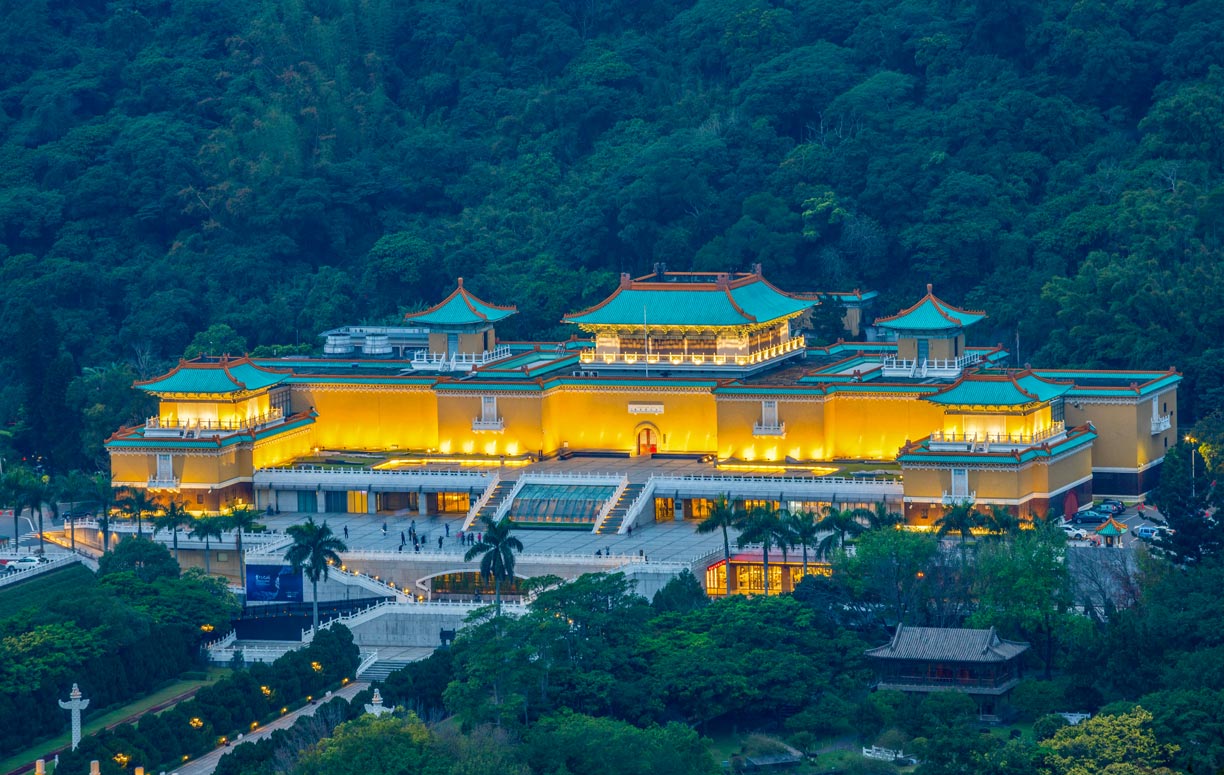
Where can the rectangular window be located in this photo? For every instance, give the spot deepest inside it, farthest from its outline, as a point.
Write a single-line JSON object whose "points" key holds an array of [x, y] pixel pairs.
{"points": [[488, 408], [165, 467], [452, 344], [454, 502], [699, 508], [960, 482], [769, 413], [924, 349], [1057, 410]]}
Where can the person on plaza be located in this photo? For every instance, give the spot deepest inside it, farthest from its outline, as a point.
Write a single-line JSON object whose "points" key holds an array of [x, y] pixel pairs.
{"points": [[402, 539], [447, 526], [439, 543], [384, 528], [460, 536], [346, 532]]}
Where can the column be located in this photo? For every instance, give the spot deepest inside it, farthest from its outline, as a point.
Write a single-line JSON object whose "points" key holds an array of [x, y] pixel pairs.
{"points": [[423, 504], [320, 501], [371, 502], [678, 514]]}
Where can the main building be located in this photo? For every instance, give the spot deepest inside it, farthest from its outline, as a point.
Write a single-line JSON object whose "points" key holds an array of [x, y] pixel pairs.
{"points": [[715, 368]]}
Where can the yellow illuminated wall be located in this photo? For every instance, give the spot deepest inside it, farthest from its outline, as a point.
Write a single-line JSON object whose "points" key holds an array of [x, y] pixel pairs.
{"points": [[364, 417], [600, 418], [282, 448], [1124, 431], [937, 348], [226, 412], [876, 427], [804, 425], [983, 424], [520, 413]]}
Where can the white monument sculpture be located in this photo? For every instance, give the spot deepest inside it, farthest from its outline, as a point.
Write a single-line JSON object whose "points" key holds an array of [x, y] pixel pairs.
{"points": [[376, 707], [76, 705]]}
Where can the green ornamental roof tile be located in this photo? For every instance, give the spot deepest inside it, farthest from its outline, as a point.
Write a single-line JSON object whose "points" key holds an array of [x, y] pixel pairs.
{"points": [[461, 309], [223, 376], [742, 301], [999, 390], [930, 314]]}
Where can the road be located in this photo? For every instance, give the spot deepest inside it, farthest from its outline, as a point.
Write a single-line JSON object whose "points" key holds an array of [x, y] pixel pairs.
{"points": [[208, 762], [1131, 519]]}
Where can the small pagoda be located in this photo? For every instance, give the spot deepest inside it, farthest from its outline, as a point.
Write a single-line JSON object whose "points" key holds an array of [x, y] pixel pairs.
{"points": [[461, 332], [930, 339]]}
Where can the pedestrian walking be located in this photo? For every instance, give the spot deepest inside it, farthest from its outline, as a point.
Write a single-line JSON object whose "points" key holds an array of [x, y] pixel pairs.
{"points": [[402, 539], [460, 535], [480, 538], [346, 531], [439, 543], [629, 530], [447, 526], [384, 528]]}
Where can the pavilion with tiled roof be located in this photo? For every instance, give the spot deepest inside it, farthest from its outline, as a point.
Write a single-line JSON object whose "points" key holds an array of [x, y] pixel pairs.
{"points": [[921, 660], [461, 329], [930, 338], [693, 321], [1111, 532], [211, 376], [1005, 390]]}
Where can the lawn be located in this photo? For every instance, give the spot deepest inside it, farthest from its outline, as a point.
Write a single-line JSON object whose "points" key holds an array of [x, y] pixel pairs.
{"points": [[53, 585], [92, 724]]}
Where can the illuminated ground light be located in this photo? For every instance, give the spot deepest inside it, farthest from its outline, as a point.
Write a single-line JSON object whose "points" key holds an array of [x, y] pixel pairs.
{"points": [[196, 722], [315, 666]]}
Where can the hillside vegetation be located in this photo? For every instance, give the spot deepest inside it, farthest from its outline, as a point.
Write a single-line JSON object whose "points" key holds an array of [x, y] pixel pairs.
{"points": [[284, 166]]}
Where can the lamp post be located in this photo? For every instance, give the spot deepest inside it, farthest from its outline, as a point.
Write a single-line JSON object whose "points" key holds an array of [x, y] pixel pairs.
{"points": [[1193, 450]]}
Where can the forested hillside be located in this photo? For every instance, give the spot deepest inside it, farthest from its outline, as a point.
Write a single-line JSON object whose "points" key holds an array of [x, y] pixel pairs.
{"points": [[283, 166]]}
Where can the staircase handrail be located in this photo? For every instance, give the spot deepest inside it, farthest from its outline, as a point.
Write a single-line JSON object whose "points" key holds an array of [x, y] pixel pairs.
{"points": [[639, 503], [482, 501], [606, 509]]}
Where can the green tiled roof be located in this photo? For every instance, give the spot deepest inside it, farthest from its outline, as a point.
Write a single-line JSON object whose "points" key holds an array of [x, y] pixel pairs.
{"points": [[1111, 528], [999, 390], [460, 309], [923, 454], [138, 439], [930, 314], [224, 376], [692, 304]]}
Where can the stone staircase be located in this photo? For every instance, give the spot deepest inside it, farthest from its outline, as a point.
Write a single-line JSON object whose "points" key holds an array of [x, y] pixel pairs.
{"points": [[503, 489], [616, 517], [381, 669]]}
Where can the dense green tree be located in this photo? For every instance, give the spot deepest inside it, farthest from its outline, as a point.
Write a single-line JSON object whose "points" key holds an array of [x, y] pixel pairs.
{"points": [[147, 559]]}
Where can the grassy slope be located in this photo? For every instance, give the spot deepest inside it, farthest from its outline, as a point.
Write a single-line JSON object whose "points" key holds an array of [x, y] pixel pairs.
{"points": [[47, 586]]}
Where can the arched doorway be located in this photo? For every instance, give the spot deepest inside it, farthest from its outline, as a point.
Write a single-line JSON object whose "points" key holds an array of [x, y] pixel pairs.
{"points": [[647, 441]]}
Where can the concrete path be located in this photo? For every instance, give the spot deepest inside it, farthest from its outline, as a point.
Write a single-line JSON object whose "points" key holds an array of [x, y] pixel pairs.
{"points": [[208, 762]]}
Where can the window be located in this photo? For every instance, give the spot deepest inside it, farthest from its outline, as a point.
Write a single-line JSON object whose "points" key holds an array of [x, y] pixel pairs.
{"points": [[452, 502], [1057, 410], [699, 508], [769, 413], [165, 468], [960, 482], [488, 408]]}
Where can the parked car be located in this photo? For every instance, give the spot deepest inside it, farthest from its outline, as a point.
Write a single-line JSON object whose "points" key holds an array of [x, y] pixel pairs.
{"points": [[24, 563], [1148, 532], [1091, 517], [1110, 505], [1075, 533]]}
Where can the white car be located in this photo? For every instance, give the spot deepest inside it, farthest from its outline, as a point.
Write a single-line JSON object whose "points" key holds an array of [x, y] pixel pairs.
{"points": [[25, 563], [1075, 533]]}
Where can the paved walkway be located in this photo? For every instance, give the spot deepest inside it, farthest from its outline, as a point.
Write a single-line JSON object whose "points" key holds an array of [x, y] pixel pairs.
{"points": [[208, 762]]}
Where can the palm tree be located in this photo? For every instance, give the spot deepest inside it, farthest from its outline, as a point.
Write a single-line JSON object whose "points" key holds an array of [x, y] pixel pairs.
{"points": [[13, 487], [839, 523], [723, 516], [75, 487], [961, 518], [314, 548], [496, 550], [40, 491], [137, 504], [207, 528], [761, 526], [240, 518], [805, 533], [102, 491], [172, 518], [880, 517], [1000, 522]]}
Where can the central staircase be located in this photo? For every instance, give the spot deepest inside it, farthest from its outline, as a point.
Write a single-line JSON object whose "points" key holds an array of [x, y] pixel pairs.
{"points": [[489, 509], [381, 669], [616, 516]]}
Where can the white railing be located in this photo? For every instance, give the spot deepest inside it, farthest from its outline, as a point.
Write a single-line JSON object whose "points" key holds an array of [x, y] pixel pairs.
{"points": [[160, 426], [893, 366], [769, 429], [639, 504], [369, 582], [829, 488], [455, 556], [225, 640], [608, 504], [369, 613], [953, 499], [252, 653], [368, 658], [355, 477], [1162, 423], [422, 359], [692, 360], [487, 424], [1003, 439], [482, 501], [156, 483], [13, 576]]}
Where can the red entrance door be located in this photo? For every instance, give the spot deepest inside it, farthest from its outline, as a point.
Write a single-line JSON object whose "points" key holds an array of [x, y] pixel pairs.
{"points": [[648, 441]]}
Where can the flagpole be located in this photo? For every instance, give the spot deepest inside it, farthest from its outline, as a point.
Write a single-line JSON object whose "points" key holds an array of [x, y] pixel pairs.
{"points": [[646, 337]]}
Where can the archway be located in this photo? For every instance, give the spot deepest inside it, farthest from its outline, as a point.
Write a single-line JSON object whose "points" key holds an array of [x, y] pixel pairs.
{"points": [[647, 440]]}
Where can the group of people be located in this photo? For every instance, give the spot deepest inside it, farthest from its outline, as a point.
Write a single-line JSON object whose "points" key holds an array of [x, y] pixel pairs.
{"points": [[420, 539]]}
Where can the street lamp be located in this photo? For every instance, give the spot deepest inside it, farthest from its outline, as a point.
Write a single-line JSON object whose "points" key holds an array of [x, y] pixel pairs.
{"points": [[1193, 450]]}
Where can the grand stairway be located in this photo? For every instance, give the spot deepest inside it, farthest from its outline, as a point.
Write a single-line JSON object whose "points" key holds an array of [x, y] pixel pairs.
{"points": [[616, 516]]}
